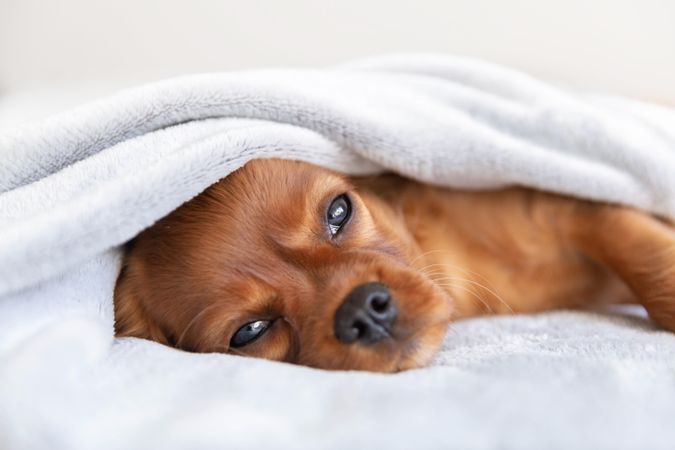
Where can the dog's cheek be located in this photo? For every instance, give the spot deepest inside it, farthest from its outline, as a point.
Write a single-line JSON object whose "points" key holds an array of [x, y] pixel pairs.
{"points": [[424, 348], [420, 302], [131, 318], [425, 313], [274, 348]]}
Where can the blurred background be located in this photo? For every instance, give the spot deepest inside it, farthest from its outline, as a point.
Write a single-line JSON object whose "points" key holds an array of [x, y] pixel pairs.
{"points": [[56, 54]]}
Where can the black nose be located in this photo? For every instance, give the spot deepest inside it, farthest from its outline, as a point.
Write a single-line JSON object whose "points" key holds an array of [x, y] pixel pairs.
{"points": [[366, 315]]}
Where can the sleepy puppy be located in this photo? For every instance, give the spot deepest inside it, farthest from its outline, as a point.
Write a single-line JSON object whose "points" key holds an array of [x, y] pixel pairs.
{"points": [[289, 261]]}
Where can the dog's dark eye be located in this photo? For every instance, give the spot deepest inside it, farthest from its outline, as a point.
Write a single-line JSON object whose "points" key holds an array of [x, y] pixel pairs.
{"points": [[249, 333], [338, 213]]}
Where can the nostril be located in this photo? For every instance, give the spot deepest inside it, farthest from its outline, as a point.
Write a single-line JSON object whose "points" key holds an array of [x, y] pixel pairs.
{"points": [[380, 307], [359, 329], [379, 303], [349, 328]]}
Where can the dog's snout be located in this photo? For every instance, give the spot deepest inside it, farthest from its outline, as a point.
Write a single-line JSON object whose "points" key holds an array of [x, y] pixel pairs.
{"points": [[366, 315]]}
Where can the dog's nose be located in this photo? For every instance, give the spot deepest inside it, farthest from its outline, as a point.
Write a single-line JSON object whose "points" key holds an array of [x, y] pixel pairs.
{"points": [[366, 315]]}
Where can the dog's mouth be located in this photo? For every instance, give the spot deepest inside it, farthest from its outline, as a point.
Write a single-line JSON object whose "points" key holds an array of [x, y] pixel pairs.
{"points": [[395, 320], [421, 328]]}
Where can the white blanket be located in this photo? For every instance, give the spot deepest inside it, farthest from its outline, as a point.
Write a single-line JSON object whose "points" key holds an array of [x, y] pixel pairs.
{"points": [[76, 186]]}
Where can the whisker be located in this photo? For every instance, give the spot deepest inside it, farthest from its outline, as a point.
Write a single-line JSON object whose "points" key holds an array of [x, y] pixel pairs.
{"points": [[431, 274], [470, 291], [454, 266], [423, 255], [497, 296], [436, 265], [435, 272]]}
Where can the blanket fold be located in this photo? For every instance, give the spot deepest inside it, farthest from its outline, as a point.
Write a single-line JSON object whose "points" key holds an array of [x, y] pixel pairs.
{"points": [[76, 186]]}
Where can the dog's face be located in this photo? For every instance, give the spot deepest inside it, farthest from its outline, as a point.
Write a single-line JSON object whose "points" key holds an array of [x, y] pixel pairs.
{"points": [[287, 261]]}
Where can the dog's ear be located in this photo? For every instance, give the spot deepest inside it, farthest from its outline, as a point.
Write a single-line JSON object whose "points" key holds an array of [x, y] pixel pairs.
{"points": [[131, 318]]}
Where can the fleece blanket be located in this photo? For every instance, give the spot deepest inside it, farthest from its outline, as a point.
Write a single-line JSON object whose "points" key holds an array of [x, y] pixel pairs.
{"points": [[76, 186]]}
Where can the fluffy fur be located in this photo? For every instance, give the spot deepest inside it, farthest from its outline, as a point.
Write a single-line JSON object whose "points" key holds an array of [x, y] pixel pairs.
{"points": [[256, 246]]}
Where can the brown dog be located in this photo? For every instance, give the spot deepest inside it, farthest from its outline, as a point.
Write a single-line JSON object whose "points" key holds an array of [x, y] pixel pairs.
{"points": [[288, 261]]}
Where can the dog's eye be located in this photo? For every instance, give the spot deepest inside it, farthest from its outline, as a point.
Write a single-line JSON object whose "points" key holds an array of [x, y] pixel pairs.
{"points": [[338, 213], [249, 333]]}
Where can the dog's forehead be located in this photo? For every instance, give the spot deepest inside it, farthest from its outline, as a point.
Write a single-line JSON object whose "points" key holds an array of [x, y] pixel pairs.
{"points": [[288, 180], [266, 205], [280, 191], [271, 200]]}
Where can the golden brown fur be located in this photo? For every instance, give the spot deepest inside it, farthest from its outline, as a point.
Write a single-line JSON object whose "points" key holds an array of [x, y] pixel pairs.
{"points": [[255, 246]]}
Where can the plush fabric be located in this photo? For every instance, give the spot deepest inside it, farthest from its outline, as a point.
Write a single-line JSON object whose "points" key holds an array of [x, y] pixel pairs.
{"points": [[76, 186]]}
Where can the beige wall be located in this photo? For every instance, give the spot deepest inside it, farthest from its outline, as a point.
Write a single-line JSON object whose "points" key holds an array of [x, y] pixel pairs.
{"points": [[618, 46]]}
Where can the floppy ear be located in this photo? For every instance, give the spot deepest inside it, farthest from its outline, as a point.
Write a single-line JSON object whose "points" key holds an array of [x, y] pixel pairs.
{"points": [[131, 318]]}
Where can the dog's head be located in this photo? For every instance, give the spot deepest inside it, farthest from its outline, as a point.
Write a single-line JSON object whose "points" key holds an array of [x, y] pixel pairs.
{"points": [[288, 261]]}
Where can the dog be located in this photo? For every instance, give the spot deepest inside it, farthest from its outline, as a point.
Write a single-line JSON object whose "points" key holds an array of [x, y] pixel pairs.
{"points": [[289, 261]]}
